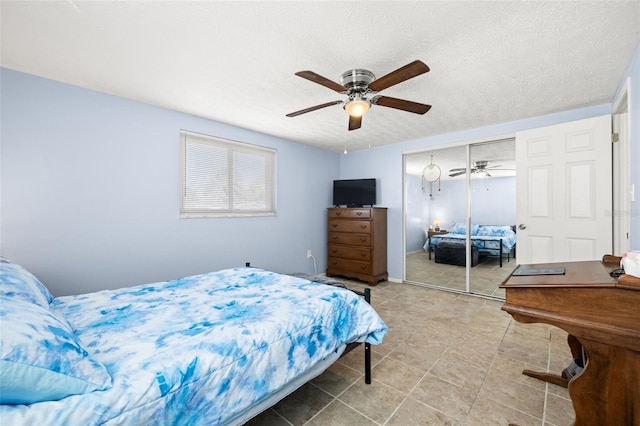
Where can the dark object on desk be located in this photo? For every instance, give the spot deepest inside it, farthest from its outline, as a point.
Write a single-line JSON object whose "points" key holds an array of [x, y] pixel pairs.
{"points": [[617, 272], [520, 271]]}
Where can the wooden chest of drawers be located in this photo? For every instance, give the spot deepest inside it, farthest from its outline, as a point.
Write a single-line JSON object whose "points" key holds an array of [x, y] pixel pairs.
{"points": [[358, 243]]}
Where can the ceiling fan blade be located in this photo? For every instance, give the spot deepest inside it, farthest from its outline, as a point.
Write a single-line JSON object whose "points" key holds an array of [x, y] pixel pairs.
{"points": [[454, 174], [402, 104], [355, 122], [313, 108], [317, 78], [458, 169], [411, 70]]}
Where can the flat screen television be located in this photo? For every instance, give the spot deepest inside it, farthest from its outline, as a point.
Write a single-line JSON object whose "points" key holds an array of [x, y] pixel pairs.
{"points": [[354, 192]]}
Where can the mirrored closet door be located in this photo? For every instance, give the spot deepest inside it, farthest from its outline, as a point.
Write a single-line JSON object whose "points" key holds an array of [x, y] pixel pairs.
{"points": [[459, 217]]}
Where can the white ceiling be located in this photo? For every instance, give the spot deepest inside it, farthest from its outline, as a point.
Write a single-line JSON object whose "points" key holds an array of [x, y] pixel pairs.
{"points": [[234, 62]]}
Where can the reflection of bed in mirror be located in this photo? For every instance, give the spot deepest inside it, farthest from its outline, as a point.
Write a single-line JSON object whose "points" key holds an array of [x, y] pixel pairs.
{"points": [[488, 240]]}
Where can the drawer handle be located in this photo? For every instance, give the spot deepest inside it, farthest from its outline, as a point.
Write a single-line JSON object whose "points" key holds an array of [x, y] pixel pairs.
{"points": [[363, 254], [334, 251], [363, 267], [364, 240], [363, 226], [334, 225], [359, 213], [338, 213], [335, 238]]}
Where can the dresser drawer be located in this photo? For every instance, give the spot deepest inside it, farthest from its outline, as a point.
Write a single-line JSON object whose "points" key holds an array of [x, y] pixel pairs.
{"points": [[362, 240], [346, 252], [358, 226], [336, 265], [350, 213]]}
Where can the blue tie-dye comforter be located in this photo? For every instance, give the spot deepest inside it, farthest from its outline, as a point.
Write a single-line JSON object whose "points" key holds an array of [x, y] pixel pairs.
{"points": [[202, 349]]}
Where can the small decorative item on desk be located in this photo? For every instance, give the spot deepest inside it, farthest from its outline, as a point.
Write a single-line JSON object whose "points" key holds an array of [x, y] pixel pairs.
{"points": [[630, 262], [436, 223]]}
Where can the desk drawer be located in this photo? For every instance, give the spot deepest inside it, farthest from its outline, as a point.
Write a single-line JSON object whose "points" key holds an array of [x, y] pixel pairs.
{"points": [[359, 226], [346, 252]]}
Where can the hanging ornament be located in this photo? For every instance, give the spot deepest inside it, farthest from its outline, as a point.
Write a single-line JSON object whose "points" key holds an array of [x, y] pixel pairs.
{"points": [[431, 173]]}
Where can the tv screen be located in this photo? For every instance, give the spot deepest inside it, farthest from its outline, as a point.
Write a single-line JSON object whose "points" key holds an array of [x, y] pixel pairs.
{"points": [[354, 192]]}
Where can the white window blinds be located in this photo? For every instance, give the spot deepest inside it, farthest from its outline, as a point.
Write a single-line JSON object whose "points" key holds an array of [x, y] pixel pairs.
{"points": [[225, 178]]}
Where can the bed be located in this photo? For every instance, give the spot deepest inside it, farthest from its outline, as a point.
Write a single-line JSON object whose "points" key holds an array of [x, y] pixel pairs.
{"points": [[214, 349], [490, 240]]}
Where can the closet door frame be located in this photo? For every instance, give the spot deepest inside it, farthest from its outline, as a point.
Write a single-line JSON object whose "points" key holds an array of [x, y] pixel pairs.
{"points": [[467, 144]]}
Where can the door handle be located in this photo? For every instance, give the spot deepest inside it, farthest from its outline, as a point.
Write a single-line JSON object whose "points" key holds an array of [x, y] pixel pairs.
{"points": [[522, 226]]}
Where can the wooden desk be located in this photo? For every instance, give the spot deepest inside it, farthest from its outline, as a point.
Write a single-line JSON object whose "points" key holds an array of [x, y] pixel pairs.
{"points": [[603, 313]]}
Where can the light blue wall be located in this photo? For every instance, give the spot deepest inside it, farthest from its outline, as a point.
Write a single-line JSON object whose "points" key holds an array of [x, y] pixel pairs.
{"points": [[493, 202], [90, 188], [633, 73], [90, 193], [385, 163]]}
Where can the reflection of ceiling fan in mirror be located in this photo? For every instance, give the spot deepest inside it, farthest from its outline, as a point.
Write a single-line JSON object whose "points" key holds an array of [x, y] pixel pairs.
{"points": [[479, 168], [358, 84]]}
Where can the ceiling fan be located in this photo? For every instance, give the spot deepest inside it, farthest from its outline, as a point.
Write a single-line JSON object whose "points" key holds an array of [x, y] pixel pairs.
{"points": [[479, 168], [358, 84]]}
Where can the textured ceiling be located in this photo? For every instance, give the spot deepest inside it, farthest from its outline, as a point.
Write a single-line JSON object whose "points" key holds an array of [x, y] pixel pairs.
{"points": [[234, 62]]}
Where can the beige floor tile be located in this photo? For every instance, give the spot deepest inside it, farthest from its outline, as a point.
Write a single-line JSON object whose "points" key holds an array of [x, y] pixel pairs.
{"points": [[419, 355], [339, 414], [448, 359], [559, 411], [355, 359], [396, 374], [459, 373], [514, 394], [337, 378], [268, 418], [377, 400], [414, 413], [506, 368], [303, 404], [487, 412], [448, 398]]}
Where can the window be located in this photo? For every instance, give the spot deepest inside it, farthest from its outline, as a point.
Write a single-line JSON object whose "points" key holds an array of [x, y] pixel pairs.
{"points": [[220, 177]]}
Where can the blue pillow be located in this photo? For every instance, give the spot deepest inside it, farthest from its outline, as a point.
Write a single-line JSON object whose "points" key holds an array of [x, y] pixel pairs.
{"points": [[458, 228], [41, 359], [461, 228], [496, 231], [17, 282]]}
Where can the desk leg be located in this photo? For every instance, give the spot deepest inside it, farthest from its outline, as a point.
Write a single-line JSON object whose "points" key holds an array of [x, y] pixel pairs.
{"points": [[560, 380], [607, 392]]}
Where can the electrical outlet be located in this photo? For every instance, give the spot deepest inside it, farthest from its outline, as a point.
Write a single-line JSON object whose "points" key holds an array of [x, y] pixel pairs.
{"points": [[309, 254]]}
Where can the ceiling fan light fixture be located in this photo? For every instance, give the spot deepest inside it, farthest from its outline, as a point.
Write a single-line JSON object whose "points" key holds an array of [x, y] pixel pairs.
{"points": [[357, 107]]}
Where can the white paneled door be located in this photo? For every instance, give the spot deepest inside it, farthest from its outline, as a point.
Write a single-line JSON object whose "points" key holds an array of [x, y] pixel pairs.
{"points": [[564, 192]]}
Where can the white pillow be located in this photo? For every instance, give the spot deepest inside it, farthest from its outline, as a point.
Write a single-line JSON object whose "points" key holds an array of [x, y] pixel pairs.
{"points": [[41, 359], [17, 282]]}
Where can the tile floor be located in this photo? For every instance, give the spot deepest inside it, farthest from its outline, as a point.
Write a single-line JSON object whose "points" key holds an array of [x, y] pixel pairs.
{"points": [[448, 359], [484, 277]]}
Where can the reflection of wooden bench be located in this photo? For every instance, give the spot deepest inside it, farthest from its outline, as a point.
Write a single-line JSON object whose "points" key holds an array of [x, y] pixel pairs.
{"points": [[453, 253]]}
